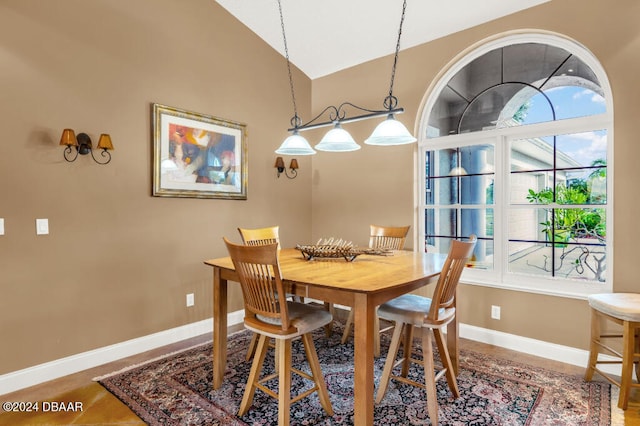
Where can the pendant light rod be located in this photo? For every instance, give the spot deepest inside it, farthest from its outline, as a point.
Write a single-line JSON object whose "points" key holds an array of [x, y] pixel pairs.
{"points": [[338, 115]]}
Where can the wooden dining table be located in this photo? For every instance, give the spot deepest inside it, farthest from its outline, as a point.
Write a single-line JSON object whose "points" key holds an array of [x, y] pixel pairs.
{"points": [[362, 284]]}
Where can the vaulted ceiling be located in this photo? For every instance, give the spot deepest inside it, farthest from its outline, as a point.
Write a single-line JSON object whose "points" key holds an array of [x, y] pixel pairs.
{"points": [[325, 36]]}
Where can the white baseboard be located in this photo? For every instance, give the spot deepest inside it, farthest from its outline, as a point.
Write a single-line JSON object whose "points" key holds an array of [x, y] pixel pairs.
{"points": [[540, 348], [41, 373], [552, 351], [31, 376]]}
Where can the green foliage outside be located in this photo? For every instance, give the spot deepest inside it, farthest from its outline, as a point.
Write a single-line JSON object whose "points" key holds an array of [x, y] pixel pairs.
{"points": [[572, 223]]}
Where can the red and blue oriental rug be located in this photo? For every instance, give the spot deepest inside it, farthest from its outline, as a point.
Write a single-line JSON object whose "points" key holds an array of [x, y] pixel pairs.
{"points": [[176, 390]]}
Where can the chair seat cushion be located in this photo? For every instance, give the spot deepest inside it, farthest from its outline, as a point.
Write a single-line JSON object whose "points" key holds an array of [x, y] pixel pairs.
{"points": [[304, 318], [412, 309], [625, 306]]}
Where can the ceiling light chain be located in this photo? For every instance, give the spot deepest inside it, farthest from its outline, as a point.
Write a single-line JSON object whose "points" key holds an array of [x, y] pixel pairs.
{"points": [[295, 121], [389, 132], [391, 101]]}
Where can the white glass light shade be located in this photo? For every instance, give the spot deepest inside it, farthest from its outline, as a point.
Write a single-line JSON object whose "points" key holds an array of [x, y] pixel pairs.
{"points": [[390, 132], [458, 171], [295, 145], [337, 140]]}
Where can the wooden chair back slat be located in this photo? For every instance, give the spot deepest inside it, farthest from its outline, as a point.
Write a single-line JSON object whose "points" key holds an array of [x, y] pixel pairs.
{"points": [[444, 295], [260, 236], [263, 292], [391, 237]]}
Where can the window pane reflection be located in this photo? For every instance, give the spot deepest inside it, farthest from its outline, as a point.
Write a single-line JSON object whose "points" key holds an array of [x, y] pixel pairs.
{"points": [[516, 85]]}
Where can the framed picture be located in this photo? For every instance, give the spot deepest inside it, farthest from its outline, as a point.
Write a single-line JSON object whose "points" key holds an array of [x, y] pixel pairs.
{"points": [[197, 155]]}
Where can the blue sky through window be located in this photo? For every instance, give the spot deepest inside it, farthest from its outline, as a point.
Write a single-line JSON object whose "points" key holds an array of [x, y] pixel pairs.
{"points": [[572, 102]]}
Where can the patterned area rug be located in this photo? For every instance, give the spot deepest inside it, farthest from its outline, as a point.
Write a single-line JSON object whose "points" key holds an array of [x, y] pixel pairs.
{"points": [[176, 390]]}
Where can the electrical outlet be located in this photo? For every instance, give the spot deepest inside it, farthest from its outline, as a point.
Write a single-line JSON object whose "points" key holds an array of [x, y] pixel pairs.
{"points": [[190, 300], [42, 226], [1, 226], [495, 312]]}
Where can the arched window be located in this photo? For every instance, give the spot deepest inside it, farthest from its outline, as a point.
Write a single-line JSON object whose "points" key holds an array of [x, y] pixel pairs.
{"points": [[515, 147]]}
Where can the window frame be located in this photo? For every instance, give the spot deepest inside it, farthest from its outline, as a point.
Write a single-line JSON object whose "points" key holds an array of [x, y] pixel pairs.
{"points": [[499, 277]]}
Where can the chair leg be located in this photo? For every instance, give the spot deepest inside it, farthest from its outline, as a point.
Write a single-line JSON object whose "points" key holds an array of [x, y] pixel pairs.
{"points": [[276, 351], [635, 352], [283, 353], [407, 346], [316, 372], [390, 362], [429, 375], [254, 375], [251, 350], [628, 336], [347, 327], [593, 345], [446, 362]]}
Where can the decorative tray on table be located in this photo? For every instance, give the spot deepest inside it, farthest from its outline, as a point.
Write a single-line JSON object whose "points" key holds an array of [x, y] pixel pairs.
{"points": [[335, 249]]}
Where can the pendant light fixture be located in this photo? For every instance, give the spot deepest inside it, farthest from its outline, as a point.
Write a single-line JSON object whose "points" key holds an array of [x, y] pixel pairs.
{"points": [[294, 144], [389, 132]]}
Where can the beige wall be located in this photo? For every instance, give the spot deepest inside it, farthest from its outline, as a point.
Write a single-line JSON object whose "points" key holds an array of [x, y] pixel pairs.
{"points": [[118, 262], [376, 185]]}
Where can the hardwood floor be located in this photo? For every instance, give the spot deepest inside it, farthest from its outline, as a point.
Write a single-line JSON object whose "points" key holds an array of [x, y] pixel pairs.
{"points": [[99, 407]]}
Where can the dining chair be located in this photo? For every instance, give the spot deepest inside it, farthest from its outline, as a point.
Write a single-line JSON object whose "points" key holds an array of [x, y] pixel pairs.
{"points": [[267, 235], [391, 237], [622, 309], [269, 314], [258, 237], [432, 315]]}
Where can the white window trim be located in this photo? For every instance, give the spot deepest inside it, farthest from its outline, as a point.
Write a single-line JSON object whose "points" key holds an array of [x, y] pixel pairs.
{"points": [[499, 278]]}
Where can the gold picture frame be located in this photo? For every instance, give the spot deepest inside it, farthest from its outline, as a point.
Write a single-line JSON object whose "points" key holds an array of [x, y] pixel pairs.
{"points": [[197, 155]]}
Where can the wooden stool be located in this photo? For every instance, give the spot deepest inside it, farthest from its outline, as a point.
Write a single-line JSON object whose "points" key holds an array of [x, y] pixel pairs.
{"points": [[623, 309], [432, 315], [270, 315]]}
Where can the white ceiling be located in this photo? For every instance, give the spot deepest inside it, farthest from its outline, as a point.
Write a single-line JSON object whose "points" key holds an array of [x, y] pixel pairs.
{"points": [[325, 36]]}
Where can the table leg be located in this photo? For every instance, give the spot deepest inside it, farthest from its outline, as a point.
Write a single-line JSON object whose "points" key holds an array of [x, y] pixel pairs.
{"points": [[219, 328], [364, 316]]}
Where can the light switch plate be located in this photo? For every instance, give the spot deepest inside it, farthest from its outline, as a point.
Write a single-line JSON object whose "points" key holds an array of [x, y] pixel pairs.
{"points": [[1, 226], [42, 226]]}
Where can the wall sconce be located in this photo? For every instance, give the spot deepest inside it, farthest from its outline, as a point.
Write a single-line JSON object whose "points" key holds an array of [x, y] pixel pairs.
{"points": [[82, 143], [293, 167]]}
